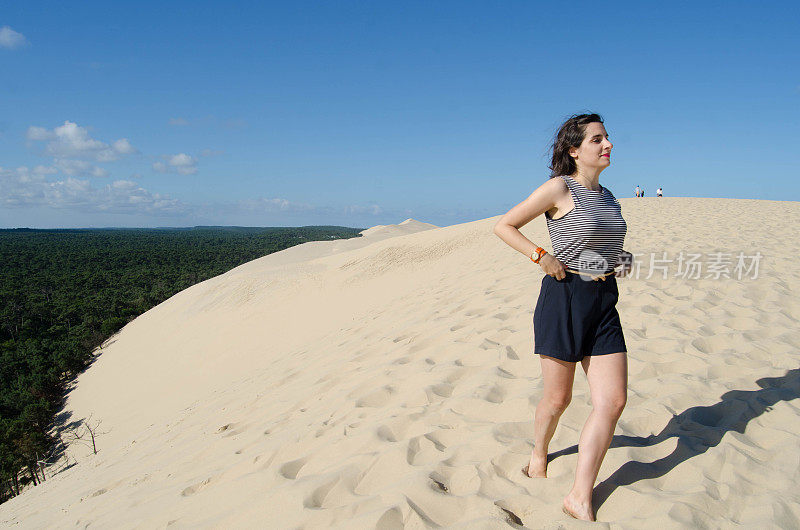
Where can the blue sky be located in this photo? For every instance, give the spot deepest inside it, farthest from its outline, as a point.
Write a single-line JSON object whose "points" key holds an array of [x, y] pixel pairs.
{"points": [[366, 113]]}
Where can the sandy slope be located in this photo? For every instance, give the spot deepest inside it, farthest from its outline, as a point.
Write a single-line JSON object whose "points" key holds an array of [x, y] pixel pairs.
{"points": [[389, 382]]}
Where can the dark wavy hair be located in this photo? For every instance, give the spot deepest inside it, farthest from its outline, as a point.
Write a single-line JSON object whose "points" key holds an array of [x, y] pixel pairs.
{"points": [[570, 134]]}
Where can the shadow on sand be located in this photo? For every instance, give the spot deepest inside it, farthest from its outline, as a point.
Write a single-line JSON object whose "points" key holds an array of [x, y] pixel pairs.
{"points": [[63, 422], [697, 429]]}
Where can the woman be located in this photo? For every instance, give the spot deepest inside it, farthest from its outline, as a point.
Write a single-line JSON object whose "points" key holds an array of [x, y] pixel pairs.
{"points": [[575, 319]]}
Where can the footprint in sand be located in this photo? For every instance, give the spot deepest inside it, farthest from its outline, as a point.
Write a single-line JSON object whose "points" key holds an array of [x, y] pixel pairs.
{"points": [[458, 480], [511, 354], [444, 438], [333, 493], [422, 451], [496, 395], [443, 390], [505, 373], [231, 429], [359, 358], [264, 460], [395, 430], [392, 519], [194, 488], [384, 471], [291, 469], [327, 426], [488, 344], [514, 430], [377, 398], [712, 344]]}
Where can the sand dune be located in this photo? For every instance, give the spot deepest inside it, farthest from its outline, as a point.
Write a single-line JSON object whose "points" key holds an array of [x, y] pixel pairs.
{"points": [[388, 382]]}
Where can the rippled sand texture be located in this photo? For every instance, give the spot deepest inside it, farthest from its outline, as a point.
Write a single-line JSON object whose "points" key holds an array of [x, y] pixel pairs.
{"points": [[392, 385]]}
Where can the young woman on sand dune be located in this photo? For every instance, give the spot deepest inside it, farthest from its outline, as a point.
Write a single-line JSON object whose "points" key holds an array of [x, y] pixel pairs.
{"points": [[576, 319]]}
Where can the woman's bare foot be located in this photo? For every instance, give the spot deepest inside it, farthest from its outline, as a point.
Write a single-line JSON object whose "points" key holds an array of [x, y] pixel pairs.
{"points": [[537, 468], [578, 510]]}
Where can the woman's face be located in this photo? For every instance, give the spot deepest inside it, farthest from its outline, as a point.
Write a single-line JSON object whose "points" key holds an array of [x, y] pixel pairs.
{"points": [[595, 150]]}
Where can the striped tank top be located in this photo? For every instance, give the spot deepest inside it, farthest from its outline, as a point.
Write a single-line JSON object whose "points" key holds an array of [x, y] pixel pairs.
{"points": [[589, 237]]}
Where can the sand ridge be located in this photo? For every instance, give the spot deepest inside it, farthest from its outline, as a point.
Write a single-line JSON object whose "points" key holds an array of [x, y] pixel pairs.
{"points": [[392, 385]]}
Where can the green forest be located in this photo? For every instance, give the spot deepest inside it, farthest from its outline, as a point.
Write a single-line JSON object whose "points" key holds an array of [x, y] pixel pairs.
{"points": [[64, 292]]}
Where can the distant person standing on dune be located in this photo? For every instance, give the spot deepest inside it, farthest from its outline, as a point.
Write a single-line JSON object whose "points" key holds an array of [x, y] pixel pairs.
{"points": [[638, 191], [576, 319], [659, 192]]}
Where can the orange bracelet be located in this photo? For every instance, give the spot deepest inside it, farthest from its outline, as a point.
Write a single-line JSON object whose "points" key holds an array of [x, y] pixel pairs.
{"points": [[540, 251]]}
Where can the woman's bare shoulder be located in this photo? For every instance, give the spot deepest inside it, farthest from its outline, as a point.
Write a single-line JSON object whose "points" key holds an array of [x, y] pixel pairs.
{"points": [[555, 186]]}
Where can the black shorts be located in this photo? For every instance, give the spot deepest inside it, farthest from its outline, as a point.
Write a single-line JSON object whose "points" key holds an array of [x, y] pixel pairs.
{"points": [[576, 317]]}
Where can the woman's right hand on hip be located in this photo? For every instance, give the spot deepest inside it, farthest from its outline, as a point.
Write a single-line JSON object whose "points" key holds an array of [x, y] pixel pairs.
{"points": [[552, 267]]}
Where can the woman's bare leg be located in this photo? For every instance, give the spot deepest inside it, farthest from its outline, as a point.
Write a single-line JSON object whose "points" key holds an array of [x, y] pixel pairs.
{"points": [[558, 377], [608, 383]]}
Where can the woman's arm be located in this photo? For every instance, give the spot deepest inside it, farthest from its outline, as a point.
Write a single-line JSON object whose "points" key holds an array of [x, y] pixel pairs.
{"points": [[542, 199]]}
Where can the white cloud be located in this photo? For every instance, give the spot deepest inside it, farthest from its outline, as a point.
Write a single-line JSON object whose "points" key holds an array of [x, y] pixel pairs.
{"points": [[372, 209], [39, 133], [180, 163], [181, 160], [72, 141], [263, 204], [123, 147], [37, 172], [23, 187], [178, 122], [11, 39], [79, 167]]}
